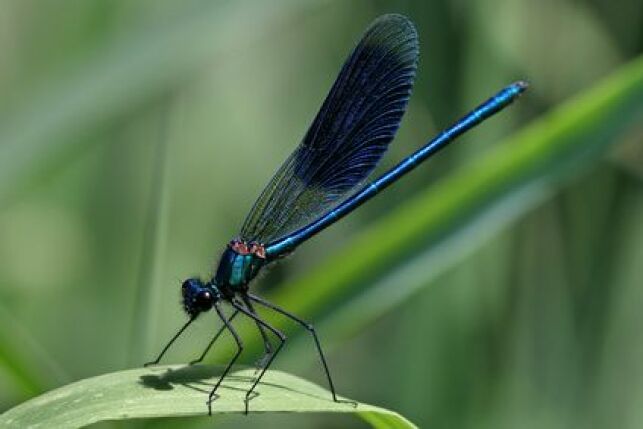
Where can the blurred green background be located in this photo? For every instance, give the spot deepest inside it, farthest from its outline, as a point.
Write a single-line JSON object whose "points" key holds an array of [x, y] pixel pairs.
{"points": [[134, 137]]}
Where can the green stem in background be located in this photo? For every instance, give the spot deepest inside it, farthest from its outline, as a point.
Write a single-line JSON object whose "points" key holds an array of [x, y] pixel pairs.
{"points": [[23, 359], [146, 305], [179, 391]]}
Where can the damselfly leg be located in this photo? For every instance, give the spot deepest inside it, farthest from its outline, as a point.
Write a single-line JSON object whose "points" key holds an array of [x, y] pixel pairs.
{"points": [[167, 346], [311, 329], [237, 339], [261, 362], [279, 334], [214, 339]]}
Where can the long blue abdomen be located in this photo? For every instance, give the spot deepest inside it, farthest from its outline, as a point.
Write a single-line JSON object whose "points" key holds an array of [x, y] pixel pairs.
{"points": [[493, 105]]}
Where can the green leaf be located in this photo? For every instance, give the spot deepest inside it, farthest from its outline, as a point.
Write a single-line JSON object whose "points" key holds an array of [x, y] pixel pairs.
{"points": [[179, 391]]}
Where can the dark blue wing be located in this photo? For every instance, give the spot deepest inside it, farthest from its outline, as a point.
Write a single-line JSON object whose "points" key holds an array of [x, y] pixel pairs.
{"points": [[348, 137]]}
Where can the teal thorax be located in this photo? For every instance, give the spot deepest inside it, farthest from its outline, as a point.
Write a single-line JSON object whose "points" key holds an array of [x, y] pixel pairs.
{"points": [[239, 264]]}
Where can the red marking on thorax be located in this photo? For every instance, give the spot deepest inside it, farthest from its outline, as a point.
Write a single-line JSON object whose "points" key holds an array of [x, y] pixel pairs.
{"points": [[258, 250], [251, 248], [239, 246]]}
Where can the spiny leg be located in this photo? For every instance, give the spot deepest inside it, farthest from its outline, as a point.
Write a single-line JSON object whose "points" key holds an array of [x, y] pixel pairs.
{"points": [[234, 359], [310, 328], [279, 334], [167, 346], [261, 362], [214, 339]]}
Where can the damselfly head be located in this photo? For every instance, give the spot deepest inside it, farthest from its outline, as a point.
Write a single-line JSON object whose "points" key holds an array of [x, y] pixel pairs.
{"points": [[198, 297]]}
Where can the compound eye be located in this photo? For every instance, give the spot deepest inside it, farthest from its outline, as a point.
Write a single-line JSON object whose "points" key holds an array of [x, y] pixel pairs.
{"points": [[203, 300], [189, 286]]}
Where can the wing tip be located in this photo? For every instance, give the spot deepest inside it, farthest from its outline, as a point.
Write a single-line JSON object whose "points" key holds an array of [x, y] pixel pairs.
{"points": [[396, 20], [398, 34]]}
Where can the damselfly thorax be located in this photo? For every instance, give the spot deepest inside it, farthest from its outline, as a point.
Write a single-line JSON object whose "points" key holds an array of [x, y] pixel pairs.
{"points": [[239, 264]]}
